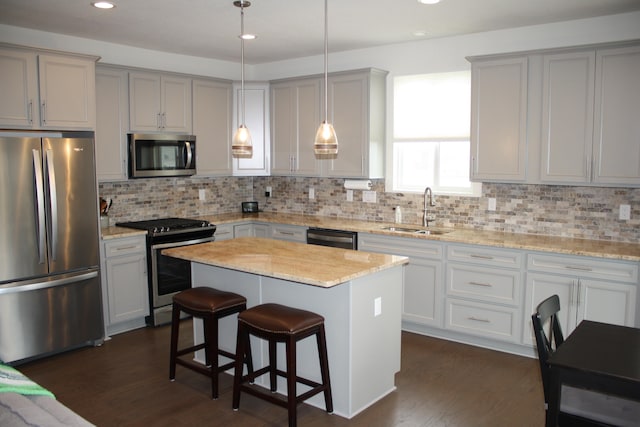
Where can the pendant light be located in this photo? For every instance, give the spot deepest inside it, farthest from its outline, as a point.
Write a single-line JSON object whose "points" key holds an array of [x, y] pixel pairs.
{"points": [[241, 145], [326, 142]]}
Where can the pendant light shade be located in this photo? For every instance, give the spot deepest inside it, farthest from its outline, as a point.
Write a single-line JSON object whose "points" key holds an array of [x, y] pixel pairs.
{"points": [[241, 146], [326, 142]]}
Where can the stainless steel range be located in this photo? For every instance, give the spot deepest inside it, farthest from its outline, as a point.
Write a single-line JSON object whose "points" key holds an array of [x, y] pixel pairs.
{"points": [[167, 275]]}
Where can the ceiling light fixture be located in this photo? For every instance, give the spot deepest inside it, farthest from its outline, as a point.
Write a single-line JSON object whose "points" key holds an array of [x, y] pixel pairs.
{"points": [[241, 145], [429, 1], [326, 142], [103, 5]]}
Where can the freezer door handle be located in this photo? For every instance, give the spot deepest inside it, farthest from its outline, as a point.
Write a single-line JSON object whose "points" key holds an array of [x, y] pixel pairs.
{"points": [[66, 280], [53, 200], [40, 225]]}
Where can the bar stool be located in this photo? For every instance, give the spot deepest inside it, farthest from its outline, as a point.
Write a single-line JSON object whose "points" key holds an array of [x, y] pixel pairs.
{"points": [[209, 305], [278, 323]]}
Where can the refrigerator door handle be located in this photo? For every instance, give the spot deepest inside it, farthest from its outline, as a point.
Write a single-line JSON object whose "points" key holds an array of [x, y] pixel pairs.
{"points": [[21, 287], [39, 185], [53, 200]]}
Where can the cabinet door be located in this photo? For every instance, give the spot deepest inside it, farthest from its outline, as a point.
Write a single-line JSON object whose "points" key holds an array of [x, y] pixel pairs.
{"points": [[541, 287], [567, 117], [262, 230], [243, 230], [175, 98], [307, 101], [499, 120], [212, 108], [144, 102], [256, 113], [607, 302], [282, 128], [348, 111], [111, 124], [421, 298], [617, 128], [19, 89], [128, 289], [67, 92]]}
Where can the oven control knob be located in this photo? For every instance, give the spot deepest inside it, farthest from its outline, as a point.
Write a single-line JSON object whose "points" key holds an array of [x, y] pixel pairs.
{"points": [[155, 229]]}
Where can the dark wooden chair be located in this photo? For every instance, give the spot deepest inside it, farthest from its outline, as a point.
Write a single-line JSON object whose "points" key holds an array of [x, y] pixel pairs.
{"points": [[210, 305], [278, 323], [579, 407]]}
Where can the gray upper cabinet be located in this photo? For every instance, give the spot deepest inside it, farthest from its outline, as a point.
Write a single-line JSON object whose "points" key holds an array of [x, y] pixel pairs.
{"points": [[159, 102], [617, 123], [46, 90], [295, 117], [112, 108], [564, 116], [212, 116], [567, 117], [499, 119]]}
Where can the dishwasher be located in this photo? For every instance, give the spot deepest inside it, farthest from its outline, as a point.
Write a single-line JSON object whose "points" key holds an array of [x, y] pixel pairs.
{"points": [[333, 238]]}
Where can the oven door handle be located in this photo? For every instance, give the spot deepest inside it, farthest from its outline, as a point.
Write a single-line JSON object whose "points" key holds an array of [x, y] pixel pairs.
{"points": [[182, 243]]}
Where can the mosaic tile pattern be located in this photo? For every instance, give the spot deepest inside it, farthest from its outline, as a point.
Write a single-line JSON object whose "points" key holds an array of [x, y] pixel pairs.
{"points": [[579, 212]]}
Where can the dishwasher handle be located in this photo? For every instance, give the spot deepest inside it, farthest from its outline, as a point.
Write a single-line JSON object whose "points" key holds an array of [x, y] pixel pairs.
{"points": [[332, 238]]}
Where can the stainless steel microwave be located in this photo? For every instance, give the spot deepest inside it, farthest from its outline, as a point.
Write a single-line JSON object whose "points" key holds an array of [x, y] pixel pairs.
{"points": [[161, 155]]}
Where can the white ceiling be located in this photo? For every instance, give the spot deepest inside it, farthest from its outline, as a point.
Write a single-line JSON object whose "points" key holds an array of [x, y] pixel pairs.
{"points": [[288, 28]]}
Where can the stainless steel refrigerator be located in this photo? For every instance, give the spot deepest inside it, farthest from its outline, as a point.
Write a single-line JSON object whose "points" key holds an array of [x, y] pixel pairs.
{"points": [[50, 297]]}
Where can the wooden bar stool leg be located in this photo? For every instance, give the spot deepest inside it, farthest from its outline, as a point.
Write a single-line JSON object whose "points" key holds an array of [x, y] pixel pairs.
{"points": [[292, 401], [324, 368], [243, 347], [273, 365], [212, 351], [175, 330]]}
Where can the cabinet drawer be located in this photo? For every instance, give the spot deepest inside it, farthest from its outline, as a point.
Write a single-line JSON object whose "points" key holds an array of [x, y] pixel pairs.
{"points": [[224, 232], [485, 256], [288, 232], [406, 246], [485, 284], [125, 246], [482, 319], [584, 267]]}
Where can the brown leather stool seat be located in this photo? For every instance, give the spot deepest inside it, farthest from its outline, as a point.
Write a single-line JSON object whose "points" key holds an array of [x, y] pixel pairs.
{"points": [[278, 323], [209, 305]]}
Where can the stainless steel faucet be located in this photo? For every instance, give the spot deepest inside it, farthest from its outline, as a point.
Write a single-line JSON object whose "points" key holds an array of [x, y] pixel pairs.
{"points": [[428, 202]]}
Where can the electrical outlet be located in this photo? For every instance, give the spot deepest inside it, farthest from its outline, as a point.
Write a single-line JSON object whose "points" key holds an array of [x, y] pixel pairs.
{"points": [[492, 204], [312, 193], [369, 196], [201, 194], [268, 192], [625, 212], [349, 195]]}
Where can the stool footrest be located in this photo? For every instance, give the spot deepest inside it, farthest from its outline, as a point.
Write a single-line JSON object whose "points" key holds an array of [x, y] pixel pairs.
{"points": [[184, 351]]}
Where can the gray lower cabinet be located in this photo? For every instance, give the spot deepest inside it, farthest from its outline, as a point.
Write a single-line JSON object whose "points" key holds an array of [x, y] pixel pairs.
{"points": [[224, 232], [126, 291], [422, 302]]}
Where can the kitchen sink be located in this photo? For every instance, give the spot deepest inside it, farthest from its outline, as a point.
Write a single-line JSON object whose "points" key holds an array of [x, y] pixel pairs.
{"points": [[417, 230]]}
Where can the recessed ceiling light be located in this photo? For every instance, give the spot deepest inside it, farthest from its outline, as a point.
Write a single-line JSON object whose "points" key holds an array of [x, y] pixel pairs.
{"points": [[419, 33], [248, 36], [428, 1], [103, 5]]}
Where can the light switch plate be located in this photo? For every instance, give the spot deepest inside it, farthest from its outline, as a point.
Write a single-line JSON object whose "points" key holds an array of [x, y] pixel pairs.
{"points": [[369, 196], [349, 195], [312, 193], [491, 204], [201, 194]]}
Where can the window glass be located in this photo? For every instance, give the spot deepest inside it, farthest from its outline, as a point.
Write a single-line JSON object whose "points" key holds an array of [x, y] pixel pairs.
{"points": [[432, 114]]}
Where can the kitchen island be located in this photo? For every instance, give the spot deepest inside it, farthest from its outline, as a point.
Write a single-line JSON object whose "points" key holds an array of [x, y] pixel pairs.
{"points": [[358, 293]]}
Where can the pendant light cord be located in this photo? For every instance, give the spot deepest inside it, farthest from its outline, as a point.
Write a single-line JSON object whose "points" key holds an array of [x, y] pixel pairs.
{"points": [[326, 67], [242, 60]]}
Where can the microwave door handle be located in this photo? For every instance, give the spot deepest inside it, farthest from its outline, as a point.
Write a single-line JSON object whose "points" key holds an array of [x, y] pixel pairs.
{"points": [[187, 145]]}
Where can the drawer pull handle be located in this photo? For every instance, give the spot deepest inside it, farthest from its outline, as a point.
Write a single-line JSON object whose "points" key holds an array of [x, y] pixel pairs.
{"points": [[578, 267], [124, 248], [286, 233], [477, 319], [486, 285], [480, 256]]}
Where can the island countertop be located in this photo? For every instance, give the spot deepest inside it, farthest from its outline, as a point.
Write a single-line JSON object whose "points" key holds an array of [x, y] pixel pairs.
{"points": [[309, 264]]}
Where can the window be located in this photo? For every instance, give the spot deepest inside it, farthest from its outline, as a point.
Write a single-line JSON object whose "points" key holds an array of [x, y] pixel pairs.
{"points": [[432, 114]]}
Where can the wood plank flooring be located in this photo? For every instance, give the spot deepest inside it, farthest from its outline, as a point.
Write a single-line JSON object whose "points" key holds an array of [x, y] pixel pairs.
{"points": [[125, 383]]}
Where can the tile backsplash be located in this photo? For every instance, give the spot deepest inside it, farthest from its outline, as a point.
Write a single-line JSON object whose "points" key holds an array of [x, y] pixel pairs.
{"points": [[580, 212]]}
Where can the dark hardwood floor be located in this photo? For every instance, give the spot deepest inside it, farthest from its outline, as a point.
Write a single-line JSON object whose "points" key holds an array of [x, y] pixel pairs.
{"points": [[125, 383]]}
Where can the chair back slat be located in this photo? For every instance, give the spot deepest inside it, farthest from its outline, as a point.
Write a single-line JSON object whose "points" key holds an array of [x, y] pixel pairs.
{"points": [[547, 342]]}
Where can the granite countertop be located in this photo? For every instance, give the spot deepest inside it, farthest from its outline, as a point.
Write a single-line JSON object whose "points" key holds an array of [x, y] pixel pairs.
{"points": [[119, 232], [533, 242], [298, 262]]}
